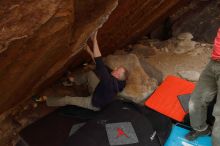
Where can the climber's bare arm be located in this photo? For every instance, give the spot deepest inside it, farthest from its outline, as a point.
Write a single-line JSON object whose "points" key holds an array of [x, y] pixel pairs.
{"points": [[89, 51], [96, 50]]}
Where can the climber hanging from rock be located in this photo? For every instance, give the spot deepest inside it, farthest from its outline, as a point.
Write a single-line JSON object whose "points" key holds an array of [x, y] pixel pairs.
{"points": [[103, 84]]}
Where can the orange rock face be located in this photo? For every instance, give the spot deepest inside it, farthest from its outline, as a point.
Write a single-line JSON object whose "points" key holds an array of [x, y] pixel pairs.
{"points": [[40, 39]]}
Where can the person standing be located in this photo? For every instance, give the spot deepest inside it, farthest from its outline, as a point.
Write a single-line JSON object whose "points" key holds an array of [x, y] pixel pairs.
{"points": [[205, 91]]}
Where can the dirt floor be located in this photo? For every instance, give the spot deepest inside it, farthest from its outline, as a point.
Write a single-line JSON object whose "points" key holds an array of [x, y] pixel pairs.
{"points": [[163, 59], [171, 64]]}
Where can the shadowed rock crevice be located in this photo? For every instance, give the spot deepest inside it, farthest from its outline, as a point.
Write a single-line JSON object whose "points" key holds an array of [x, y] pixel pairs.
{"points": [[202, 20]]}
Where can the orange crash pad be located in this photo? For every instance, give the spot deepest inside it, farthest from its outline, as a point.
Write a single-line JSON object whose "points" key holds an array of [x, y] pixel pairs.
{"points": [[164, 99]]}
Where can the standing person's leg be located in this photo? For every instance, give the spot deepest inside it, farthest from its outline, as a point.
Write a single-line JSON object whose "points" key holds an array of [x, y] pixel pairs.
{"points": [[216, 111], [84, 102], [205, 91], [216, 131]]}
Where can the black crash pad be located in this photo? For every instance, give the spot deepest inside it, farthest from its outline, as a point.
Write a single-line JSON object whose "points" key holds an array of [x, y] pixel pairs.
{"points": [[54, 128]]}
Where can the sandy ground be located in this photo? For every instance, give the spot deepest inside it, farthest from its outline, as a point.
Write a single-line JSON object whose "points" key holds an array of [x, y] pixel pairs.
{"points": [[171, 64], [167, 62]]}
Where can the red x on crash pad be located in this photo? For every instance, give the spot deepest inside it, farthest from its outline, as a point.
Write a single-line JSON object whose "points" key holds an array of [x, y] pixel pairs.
{"points": [[164, 99]]}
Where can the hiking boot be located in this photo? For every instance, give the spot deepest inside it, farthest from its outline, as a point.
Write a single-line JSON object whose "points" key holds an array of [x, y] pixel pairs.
{"points": [[192, 135]]}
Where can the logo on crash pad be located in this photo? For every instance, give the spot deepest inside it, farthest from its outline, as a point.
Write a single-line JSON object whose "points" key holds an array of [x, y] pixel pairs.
{"points": [[121, 133]]}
